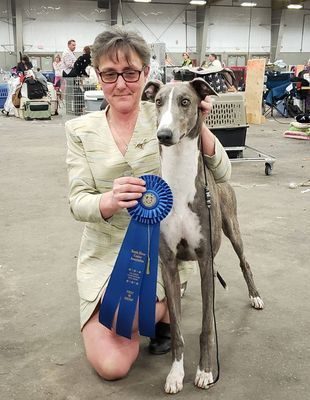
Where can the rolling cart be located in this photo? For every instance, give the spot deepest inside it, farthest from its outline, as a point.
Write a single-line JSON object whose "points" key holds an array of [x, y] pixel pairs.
{"points": [[252, 155], [227, 121]]}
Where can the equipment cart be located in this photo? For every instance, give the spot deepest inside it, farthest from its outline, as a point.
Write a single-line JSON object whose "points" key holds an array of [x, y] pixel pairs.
{"points": [[252, 155], [227, 121]]}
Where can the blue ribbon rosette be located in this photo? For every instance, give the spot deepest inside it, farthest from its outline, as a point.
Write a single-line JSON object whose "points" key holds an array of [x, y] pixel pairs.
{"points": [[134, 275]]}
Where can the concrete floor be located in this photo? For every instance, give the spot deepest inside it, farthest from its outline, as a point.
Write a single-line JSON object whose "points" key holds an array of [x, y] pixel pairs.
{"points": [[264, 355]]}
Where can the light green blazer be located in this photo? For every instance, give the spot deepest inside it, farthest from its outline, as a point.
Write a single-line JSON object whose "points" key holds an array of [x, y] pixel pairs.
{"points": [[94, 161]]}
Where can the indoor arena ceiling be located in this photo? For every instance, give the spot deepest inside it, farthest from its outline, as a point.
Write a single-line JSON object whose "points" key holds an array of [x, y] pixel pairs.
{"points": [[276, 4]]}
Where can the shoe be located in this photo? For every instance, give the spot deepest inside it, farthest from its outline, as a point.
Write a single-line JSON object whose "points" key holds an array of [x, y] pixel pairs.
{"points": [[161, 344]]}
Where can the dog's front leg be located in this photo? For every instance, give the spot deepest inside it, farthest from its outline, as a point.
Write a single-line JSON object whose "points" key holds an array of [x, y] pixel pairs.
{"points": [[174, 381], [207, 363]]}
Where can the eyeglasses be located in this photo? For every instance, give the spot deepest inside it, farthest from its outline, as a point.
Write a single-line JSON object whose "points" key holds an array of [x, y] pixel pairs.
{"points": [[130, 76]]}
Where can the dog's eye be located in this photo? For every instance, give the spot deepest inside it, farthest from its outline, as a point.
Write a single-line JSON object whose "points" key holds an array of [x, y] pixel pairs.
{"points": [[185, 102], [158, 102]]}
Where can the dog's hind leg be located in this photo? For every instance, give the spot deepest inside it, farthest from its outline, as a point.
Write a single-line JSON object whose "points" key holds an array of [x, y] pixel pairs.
{"points": [[230, 226], [205, 375], [174, 380]]}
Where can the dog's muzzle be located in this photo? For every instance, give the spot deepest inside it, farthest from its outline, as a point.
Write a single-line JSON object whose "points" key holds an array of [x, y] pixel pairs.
{"points": [[165, 136]]}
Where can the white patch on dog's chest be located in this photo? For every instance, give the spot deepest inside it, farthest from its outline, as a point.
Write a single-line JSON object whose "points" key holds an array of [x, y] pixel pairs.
{"points": [[179, 165]]}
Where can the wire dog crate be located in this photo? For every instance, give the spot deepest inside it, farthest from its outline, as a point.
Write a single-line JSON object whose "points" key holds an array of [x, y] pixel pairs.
{"points": [[227, 120], [73, 90]]}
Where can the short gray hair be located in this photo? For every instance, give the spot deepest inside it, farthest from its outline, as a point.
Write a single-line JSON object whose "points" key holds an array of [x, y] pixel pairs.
{"points": [[110, 43]]}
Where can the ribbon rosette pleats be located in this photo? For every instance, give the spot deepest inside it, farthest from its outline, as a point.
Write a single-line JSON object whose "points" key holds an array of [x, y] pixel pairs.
{"points": [[134, 276]]}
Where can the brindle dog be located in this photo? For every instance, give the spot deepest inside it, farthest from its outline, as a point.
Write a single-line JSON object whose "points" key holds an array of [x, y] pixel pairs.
{"points": [[185, 232]]}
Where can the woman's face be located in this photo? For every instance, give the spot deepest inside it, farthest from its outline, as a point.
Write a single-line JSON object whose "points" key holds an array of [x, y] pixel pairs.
{"points": [[123, 96]]}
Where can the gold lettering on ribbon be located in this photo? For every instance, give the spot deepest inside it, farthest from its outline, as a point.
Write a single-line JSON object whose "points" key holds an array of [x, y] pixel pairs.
{"points": [[128, 295]]}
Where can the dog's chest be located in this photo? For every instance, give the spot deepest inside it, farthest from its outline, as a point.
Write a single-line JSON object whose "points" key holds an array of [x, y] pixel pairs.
{"points": [[179, 165]]}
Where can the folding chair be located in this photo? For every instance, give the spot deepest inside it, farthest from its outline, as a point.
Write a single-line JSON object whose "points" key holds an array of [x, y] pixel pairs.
{"points": [[277, 94]]}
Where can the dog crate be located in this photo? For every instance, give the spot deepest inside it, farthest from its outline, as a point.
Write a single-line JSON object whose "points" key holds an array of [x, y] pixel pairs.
{"points": [[228, 111], [4, 90], [227, 121], [232, 138], [183, 74], [73, 90], [93, 100]]}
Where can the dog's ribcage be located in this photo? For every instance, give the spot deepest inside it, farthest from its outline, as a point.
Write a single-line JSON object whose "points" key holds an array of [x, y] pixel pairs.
{"points": [[179, 164]]}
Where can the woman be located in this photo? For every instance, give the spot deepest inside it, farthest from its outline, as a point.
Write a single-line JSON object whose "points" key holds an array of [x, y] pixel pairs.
{"points": [[57, 66], [82, 62], [187, 62], [107, 151], [24, 65]]}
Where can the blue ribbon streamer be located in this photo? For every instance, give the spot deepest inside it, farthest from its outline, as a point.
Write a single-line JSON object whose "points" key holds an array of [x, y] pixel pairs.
{"points": [[134, 275]]}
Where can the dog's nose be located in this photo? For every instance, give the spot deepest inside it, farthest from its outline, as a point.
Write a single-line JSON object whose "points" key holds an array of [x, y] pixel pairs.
{"points": [[164, 136]]}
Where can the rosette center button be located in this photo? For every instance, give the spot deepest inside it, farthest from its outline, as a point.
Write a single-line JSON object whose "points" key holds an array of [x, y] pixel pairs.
{"points": [[149, 199]]}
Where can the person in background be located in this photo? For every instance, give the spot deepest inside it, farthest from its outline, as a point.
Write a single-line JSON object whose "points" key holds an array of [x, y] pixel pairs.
{"points": [[187, 62], [82, 62], [212, 64], [24, 65], [107, 152], [68, 60], [57, 67]]}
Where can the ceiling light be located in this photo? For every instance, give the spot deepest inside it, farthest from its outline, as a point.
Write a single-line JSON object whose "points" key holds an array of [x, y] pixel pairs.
{"points": [[294, 6], [142, 1], [248, 4], [198, 2]]}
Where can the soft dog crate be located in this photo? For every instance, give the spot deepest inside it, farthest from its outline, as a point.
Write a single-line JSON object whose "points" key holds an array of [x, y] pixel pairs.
{"points": [[37, 109], [183, 74]]}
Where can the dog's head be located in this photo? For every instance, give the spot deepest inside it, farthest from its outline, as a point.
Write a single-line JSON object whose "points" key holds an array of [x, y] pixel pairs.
{"points": [[178, 108]]}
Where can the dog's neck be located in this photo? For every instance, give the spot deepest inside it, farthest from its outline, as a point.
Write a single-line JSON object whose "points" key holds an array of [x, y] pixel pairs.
{"points": [[179, 163]]}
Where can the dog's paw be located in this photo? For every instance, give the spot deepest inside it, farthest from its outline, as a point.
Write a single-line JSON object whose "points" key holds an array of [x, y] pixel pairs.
{"points": [[203, 379], [257, 302], [174, 381]]}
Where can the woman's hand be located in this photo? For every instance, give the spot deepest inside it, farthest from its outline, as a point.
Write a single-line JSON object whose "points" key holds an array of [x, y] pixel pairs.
{"points": [[206, 106], [125, 194]]}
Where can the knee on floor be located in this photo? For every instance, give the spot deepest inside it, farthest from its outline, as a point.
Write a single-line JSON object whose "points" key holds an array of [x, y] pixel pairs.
{"points": [[111, 369]]}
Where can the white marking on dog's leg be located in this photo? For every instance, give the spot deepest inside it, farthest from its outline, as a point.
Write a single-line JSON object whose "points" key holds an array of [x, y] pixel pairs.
{"points": [[203, 379], [174, 381], [257, 302], [167, 118]]}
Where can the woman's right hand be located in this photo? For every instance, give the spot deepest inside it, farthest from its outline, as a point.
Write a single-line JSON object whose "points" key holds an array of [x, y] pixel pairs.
{"points": [[125, 194]]}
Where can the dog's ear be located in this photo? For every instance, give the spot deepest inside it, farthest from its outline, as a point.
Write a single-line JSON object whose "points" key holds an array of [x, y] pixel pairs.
{"points": [[202, 88], [150, 90]]}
